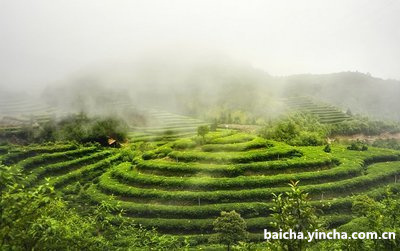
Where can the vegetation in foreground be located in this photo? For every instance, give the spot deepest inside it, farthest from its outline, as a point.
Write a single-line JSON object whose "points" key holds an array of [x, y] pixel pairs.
{"points": [[39, 219], [183, 186]]}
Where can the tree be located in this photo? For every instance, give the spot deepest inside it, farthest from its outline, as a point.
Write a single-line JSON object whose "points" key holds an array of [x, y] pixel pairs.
{"points": [[230, 228], [202, 131], [293, 210], [214, 126], [348, 112]]}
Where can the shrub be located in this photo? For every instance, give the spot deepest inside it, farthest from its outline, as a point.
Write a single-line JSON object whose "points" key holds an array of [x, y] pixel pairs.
{"points": [[149, 155], [327, 148], [358, 146]]}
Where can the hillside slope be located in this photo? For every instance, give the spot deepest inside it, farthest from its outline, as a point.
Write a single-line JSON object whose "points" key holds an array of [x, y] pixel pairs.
{"points": [[360, 92]]}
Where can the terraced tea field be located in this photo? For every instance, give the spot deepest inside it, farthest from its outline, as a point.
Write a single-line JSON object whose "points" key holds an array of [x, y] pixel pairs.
{"points": [[23, 109], [183, 185], [325, 113], [164, 126]]}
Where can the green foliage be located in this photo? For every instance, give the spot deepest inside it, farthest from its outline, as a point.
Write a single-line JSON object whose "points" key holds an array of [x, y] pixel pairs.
{"points": [[358, 146], [248, 209], [64, 166], [293, 211], [79, 128], [149, 155], [83, 129], [214, 126], [387, 143], [297, 129], [202, 131], [85, 173], [127, 154], [185, 143], [363, 125], [236, 147], [305, 129], [231, 138], [234, 170], [382, 216], [37, 218], [327, 148], [235, 157], [14, 156], [230, 229], [184, 186], [33, 219], [241, 182], [48, 158], [373, 216]]}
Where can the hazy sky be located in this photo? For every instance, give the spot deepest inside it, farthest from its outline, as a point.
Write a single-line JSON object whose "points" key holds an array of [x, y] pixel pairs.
{"points": [[42, 41]]}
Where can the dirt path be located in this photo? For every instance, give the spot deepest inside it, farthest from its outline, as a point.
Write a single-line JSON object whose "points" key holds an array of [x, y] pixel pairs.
{"points": [[367, 138], [244, 128]]}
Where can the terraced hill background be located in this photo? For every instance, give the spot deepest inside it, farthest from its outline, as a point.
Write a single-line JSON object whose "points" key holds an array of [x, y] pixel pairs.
{"points": [[324, 112], [181, 186], [164, 126], [19, 110]]}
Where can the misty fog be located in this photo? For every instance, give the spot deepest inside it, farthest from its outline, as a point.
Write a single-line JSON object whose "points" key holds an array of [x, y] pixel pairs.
{"points": [[188, 56]]}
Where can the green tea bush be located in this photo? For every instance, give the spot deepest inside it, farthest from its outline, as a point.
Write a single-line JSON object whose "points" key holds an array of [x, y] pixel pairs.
{"points": [[232, 138], [185, 143], [85, 172], [49, 158], [327, 148], [233, 170], [66, 165], [377, 174], [234, 157], [235, 147], [246, 209], [25, 152], [358, 146]]}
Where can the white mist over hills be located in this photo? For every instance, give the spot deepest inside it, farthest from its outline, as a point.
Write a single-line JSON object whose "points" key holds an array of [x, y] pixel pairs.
{"points": [[46, 41], [169, 53]]}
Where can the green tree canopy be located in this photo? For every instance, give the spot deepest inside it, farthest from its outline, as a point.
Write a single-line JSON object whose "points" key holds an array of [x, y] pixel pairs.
{"points": [[293, 211], [203, 130], [230, 229]]}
